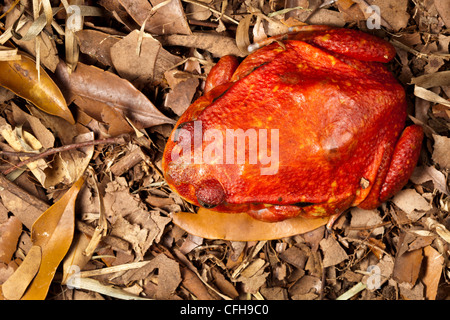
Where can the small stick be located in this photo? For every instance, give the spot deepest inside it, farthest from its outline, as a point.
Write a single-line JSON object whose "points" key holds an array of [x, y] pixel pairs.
{"points": [[48, 152]]}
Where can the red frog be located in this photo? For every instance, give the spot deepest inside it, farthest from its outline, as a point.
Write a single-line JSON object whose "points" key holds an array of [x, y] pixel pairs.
{"points": [[311, 124]]}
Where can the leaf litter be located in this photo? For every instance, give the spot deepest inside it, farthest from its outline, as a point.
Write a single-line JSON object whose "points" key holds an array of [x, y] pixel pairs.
{"points": [[135, 66]]}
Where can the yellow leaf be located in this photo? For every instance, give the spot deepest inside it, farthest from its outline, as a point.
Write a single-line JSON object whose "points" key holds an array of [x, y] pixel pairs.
{"points": [[21, 77], [17, 283], [241, 227], [53, 232]]}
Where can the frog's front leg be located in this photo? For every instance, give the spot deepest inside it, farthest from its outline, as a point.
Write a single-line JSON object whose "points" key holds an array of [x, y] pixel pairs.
{"points": [[221, 72]]}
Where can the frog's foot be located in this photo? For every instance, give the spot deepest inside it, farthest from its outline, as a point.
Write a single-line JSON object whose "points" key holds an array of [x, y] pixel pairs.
{"points": [[401, 165], [271, 213], [332, 221]]}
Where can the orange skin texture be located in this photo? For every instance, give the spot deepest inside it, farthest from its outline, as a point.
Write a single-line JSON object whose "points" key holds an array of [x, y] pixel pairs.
{"points": [[341, 120]]}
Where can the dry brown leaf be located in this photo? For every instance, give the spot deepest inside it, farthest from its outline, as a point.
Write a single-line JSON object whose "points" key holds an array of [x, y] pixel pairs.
{"points": [[145, 66], [351, 11], [169, 276], [333, 253], [17, 283], [197, 12], [97, 44], [294, 256], [444, 11], [367, 219], [26, 212], [182, 91], [218, 45], [430, 96], [92, 89], [345, 4], [328, 17], [407, 267], [409, 200], [192, 283], [386, 268], [67, 167], [130, 219], [10, 232], [441, 151], [253, 277], [434, 262], [240, 226], [307, 288], [159, 16], [53, 233], [407, 263], [423, 174], [225, 286], [392, 11], [21, 77]]}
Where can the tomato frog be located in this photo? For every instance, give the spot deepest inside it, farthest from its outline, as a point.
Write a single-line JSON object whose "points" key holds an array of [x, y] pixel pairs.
{"points": [[311, 124]]}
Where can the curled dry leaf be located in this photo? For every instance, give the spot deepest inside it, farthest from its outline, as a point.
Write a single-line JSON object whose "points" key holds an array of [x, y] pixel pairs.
{"points": [[242, 34], [53, 233], [430, 96], [21, 77], [93, 89], [240, 226], [436, 79]]}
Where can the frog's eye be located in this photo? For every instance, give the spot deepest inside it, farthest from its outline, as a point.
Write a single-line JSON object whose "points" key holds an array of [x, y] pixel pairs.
{"points": [[210, 193]]}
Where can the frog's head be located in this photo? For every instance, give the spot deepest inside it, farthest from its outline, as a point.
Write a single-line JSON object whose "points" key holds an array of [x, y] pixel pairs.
{"points": [[185, 169]]}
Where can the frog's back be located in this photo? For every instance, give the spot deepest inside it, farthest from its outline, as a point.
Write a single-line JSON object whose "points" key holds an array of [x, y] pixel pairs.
{"points": [[330, 117]]}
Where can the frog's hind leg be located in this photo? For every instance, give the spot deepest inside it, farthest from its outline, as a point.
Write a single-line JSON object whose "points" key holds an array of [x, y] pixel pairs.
{"points": [[270, 213], [395, 171], [403, 162]]}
